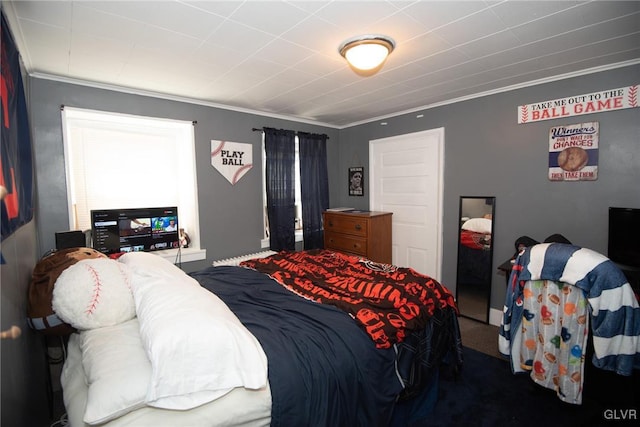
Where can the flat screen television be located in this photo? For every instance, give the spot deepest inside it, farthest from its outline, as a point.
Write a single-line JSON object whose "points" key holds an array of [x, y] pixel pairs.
{"points": [[135, 230], [624, 236]]}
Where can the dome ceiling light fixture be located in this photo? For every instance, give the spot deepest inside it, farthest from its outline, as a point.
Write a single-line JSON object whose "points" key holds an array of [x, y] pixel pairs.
{"points": [[367, 53]]}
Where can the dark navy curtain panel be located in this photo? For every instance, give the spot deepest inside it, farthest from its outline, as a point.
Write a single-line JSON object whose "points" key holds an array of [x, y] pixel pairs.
{"points": [[314, 187], [17, 162], [280, 154]]}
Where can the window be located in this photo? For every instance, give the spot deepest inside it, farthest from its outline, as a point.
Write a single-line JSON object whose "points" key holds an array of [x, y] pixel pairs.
{"points": [[118, 161], [298, 228]]}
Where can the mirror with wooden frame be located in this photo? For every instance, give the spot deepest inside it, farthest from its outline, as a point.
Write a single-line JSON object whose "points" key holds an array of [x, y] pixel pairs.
{"points": [[475, 256]]}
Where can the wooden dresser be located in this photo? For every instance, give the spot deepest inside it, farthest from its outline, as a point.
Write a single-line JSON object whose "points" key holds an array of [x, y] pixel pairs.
{"points": [[366, 234]]}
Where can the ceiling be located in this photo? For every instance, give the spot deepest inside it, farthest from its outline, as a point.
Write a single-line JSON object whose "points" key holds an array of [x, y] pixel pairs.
{"points": [[280, 58]]}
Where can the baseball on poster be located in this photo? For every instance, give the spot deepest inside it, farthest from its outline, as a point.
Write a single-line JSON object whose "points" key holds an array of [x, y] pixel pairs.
{"points": [[232, 159], [573, 152]]}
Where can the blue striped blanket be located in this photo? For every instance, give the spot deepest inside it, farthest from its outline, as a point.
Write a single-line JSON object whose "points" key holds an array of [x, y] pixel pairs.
{"points": [[615, 314]]}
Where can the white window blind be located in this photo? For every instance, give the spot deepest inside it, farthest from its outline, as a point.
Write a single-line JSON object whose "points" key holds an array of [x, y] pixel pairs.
{"points": [[118, 161]]}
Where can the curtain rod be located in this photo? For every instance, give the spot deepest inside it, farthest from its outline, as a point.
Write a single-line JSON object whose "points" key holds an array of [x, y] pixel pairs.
{"points": [[296, 132]]}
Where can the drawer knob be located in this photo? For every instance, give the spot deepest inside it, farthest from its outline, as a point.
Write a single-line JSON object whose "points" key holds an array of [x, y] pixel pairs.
{"points": [[330, 223], [358, 227]]}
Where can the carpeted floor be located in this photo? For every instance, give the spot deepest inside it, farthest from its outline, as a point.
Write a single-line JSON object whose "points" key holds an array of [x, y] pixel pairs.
{"points": [[479, 336], [487, 393]]}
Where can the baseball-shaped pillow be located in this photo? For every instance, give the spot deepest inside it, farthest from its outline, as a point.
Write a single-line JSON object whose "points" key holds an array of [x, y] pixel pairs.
{"points": [[94, 293]]}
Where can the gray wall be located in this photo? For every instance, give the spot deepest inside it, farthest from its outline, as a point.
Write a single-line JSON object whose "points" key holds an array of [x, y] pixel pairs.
{"points": [[24, 366], [488, 154], [230, 215]]}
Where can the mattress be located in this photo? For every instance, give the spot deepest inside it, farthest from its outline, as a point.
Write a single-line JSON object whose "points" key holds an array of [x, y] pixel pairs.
{"points": [[240, 407]]}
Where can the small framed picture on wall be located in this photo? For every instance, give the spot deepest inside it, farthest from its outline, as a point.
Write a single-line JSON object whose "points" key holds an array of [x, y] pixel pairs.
{"points": [[356, 181]]}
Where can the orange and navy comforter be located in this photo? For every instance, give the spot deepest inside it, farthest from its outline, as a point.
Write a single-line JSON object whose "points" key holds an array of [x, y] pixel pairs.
{"points": [[387, 301]]}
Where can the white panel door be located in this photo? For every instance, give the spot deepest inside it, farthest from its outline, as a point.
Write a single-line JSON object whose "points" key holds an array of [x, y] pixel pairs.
{"points": [[406, 178]]}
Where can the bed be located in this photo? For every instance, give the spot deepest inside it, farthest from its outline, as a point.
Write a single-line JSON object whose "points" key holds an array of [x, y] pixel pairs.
{"points": [[295, 338], [474, 252]]}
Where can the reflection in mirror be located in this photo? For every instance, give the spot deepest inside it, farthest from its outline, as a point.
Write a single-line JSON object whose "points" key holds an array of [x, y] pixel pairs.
{"points": [[475, 256]]}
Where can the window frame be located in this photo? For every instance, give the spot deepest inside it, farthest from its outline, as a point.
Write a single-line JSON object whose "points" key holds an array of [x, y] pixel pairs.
{"points": [[76, 120]]}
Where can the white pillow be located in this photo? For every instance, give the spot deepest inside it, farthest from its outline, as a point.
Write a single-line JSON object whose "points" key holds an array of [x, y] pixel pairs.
{"points": [[117, 371], [198, 349], [479, 225], [94, 293], [149, 264]]}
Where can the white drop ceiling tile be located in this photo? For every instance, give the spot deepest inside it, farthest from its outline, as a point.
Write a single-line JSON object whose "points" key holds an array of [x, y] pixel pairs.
{"points": [[278, 105], [333, 97], [193, 88], [274, 18], [136, 10], [107, 68], [294, 78], [221, 93], [239, 37], [342, 13], [498, 42], [49, 47], [310, 7], [170, 15], [597, 11], [156, 38], [320, 65], [480, 24], [620, 44], [442, 61], [259, 68], [596, 50], [552, 25], [242, 80], [422, 46], [102, 58], [192, 68], [44, 35], [88, 46], [492, 62], [283, 52], [50, 61], [51, 13], [100, 24], [316, 34], [222, 9], [397, 26], [619, 26], [514, 13], [583, 37], [432, 15], [318, 87], [219, 56], [182, 19], [307, 110]]}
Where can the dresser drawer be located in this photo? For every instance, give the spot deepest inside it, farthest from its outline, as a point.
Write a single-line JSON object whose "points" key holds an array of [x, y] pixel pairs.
{"points": [[345, 243], [347, 225]]}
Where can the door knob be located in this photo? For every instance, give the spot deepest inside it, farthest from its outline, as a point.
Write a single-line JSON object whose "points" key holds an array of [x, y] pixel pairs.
{"points": [[13, 332]]}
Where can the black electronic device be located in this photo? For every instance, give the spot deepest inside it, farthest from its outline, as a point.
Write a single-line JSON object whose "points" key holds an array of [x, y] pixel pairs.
{"points": [[70, 239], [135, 230], [624, 236]]}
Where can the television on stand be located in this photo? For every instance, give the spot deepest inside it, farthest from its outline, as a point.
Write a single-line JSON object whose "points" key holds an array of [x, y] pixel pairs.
{"points": [[624, 237], [135, 230]]}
